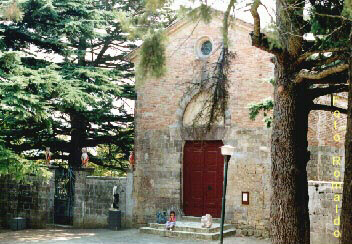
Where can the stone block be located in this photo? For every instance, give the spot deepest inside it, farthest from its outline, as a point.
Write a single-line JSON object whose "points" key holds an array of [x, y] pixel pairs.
{"points": [[257, 233]]}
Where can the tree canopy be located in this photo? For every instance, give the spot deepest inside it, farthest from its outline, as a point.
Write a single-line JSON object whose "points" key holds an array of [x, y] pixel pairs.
{"points": [[64, 83]]}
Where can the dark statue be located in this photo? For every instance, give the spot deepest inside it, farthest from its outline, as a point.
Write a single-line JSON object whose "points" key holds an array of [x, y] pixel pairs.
{"points": [[116, 201]]}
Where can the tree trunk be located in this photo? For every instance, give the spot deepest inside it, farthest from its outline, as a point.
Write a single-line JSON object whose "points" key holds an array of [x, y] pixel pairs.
{"points": [[78, 124], [289, 156], [346, 214], [82, 47], [78, 134]]}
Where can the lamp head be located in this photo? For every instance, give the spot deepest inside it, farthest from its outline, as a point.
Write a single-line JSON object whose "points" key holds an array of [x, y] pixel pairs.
{"points": [[227, 150]]}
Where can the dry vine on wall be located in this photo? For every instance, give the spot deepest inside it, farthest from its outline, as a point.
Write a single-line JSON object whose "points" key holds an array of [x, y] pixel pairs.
{"points": [[216, 87]]}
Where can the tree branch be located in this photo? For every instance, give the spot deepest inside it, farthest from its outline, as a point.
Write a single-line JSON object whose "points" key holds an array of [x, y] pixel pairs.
{"points": [[319, 62], [320, 75], [334, 16], [15, 34], [328, 108], [103, 140], [226, 23], [304, 56], [258, 39], [318, 92], [42, 157], [337, 78], [57, 145], [256, 18]]}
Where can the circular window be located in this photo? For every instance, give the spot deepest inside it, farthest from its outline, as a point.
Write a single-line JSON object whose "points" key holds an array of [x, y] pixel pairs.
{"points": [[206, 48]]}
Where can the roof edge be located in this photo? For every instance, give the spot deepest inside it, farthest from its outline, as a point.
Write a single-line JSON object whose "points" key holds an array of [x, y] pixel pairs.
{"points": [[181, 22]]}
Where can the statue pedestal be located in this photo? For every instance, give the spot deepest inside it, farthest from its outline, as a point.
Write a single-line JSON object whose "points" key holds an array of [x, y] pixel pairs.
{"points": [[114, 219], [18, 223]]}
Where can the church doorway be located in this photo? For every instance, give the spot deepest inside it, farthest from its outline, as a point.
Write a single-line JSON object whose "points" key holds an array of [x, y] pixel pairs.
{"points": [[203, 167]]}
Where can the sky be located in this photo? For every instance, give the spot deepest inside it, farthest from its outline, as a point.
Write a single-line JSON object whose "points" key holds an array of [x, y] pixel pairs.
{"points": [[242, 12]]}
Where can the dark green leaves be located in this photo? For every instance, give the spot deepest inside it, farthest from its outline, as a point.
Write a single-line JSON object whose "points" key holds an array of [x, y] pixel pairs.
{"points": [[265, 106], [153, 55]]}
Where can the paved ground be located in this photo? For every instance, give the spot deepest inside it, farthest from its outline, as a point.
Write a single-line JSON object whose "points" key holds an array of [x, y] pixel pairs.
{"points": [[103, 236]]}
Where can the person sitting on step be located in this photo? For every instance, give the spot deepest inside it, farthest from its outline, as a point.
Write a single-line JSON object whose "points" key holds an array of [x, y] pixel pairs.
{"points": [[170, 225]]}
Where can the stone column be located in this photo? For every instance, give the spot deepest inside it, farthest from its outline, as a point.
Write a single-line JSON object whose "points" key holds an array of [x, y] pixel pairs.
{"points": [[51, 195], [129, 199], [80, 195]]}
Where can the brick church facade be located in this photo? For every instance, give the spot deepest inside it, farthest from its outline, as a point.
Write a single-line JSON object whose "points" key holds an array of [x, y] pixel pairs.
{"points": [[174, 170]]}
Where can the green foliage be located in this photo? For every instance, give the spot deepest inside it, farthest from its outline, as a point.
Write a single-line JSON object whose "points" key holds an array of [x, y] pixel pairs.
{"points": [[152, 52], [272, 35], [272, 81], [9, 62], [11, 11], [347, 10], [149, 27], [266, 106], [153, 5], [103, 171], [203, 12], [112, 155], [18, 168], [53, 93], [329, 31], [20, 98]]}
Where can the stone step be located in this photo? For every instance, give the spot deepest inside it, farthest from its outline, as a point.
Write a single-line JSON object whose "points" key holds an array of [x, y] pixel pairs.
{"points": [[197, 219], [57, 226], [186, 234], [192, 227]]}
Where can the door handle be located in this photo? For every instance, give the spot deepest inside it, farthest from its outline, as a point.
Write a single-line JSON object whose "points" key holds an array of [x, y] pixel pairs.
{"points": [[210, 188]]}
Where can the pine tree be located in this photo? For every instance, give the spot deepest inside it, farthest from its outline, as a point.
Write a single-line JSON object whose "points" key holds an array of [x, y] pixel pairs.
{"points": [[304, 71], [64, 83], [346, 213]]}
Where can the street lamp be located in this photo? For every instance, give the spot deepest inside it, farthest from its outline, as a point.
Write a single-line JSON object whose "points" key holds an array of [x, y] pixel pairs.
{"points": [[226, 151]]}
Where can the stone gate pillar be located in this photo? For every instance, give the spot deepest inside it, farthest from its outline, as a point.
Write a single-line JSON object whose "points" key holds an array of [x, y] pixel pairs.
{"points": [[51, 196], [129, 199], [80, 195]]}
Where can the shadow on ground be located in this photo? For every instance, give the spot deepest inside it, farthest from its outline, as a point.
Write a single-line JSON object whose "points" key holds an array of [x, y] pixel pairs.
{"points": [[103, 236], [43, 235]]}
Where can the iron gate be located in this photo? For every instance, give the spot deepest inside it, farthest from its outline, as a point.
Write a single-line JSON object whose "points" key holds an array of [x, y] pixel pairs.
{"points": [[64, 195]]}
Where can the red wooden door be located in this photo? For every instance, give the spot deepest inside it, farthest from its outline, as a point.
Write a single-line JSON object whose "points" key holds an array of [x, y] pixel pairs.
{"points": [[202, 178]]}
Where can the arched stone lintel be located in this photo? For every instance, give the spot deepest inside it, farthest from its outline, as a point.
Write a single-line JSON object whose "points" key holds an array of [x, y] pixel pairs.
{"points": [[185, 100]]}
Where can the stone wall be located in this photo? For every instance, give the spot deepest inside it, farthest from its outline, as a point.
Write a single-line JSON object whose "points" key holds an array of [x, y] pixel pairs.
{"points": [[32, 200], [320, 167], [249, 171], [93, 199], [323, 126], [322, 123], [322, 210], [161, 183], [157, 175]]}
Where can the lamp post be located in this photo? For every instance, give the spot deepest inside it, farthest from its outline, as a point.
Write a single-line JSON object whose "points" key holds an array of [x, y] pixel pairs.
{"points": [[226, 151]]}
